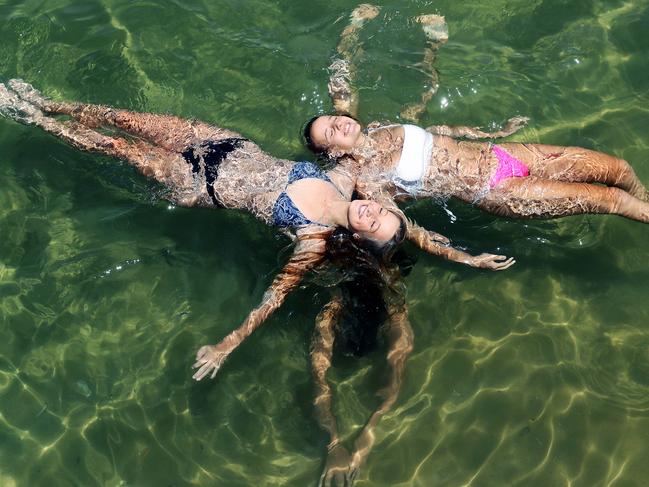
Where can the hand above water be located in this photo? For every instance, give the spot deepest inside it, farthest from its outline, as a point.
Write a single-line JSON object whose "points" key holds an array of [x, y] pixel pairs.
{"points": [[209, 358], [492, 261]]}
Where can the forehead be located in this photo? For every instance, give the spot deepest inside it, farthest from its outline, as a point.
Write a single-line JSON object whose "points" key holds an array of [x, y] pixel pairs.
{"points": [[321, 123]]}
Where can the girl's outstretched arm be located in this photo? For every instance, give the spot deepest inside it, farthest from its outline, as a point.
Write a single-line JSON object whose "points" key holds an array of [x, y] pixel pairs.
{"points": [[342, 71], [436, 32], [309, 252], [433, 243], [513, 125], [400, 339], [338, 458]]}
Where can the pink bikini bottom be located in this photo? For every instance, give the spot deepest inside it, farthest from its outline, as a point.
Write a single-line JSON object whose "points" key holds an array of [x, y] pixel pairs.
{"points": [[508, 167]]}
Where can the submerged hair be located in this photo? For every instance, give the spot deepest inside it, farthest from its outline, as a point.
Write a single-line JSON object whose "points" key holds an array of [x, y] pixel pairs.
{"points": [[371, 285]]}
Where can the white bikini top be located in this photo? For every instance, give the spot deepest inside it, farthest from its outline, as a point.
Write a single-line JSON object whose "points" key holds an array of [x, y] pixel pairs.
{"points": [[416, 152]]}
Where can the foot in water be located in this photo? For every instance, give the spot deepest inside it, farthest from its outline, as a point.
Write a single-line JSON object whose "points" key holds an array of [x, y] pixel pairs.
{"points": [[28, 93], [11, 106]]}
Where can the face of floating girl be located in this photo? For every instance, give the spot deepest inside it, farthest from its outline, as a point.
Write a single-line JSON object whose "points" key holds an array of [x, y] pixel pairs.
{"points": [[371, 220], [333, 133]]}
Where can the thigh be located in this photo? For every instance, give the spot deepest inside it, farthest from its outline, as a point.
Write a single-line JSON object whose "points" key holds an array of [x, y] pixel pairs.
{"points": [[534, 197], [571, 164]]}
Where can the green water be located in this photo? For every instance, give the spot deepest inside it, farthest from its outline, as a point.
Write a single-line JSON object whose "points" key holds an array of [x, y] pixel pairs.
{"points": [[537, 376]]}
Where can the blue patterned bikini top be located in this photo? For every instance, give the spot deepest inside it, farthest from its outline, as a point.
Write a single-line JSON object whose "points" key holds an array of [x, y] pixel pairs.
{"points": [[285, 213]]}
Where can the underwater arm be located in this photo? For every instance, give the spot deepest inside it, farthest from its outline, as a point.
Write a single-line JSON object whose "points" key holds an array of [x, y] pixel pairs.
{"points": [[307, 255], [321, 352], [342, 71], [400, 339], [436, 32], [513, 125], [338, 458], [343, 96], [429, 242]]}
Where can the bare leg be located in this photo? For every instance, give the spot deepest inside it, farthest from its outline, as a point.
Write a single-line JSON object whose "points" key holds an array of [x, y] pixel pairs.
{"points": [[436, 32], [164, 166], [400, 339], [167, 131], [534, 197], [338, 458], [574, 164], [343, 70]]}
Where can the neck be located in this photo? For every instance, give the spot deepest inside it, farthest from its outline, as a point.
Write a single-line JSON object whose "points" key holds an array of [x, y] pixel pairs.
{"points": [[363, 150]]}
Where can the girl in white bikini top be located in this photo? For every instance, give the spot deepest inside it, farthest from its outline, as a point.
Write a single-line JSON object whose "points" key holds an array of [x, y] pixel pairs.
{"points": [[414, 159]]}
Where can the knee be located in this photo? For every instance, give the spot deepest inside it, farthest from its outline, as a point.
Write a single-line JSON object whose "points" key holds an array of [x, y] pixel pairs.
{"points": [[615, 200], [624, 169]]}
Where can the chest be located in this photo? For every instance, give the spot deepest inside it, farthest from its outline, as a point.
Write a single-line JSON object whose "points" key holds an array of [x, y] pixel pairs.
{"points": [[386, 147]]}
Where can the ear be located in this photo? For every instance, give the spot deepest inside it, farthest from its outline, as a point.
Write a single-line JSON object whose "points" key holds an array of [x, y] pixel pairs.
{"points": [[356, 236]]}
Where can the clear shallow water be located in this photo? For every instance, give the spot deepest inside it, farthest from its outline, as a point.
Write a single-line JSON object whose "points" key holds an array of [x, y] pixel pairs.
{"points": [[535, 376]]}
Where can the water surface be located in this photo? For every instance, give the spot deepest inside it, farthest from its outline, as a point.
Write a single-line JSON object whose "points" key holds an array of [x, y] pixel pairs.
{"points": [[536, 376]]}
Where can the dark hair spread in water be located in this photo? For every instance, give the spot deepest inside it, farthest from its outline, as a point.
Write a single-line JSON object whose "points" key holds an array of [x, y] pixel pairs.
{"points": [[308, 140], [369, 278]]}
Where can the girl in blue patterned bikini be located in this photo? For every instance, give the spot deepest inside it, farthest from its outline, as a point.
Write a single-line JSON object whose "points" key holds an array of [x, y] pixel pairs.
{"points": [[203, 165]]}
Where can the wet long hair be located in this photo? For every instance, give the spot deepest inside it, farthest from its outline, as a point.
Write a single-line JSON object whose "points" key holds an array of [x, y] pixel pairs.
{"points": [[371, 285], [308, 139]]}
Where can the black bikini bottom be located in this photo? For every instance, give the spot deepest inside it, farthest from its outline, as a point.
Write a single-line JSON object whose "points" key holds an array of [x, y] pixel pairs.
{"points": [[212, 153]]}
